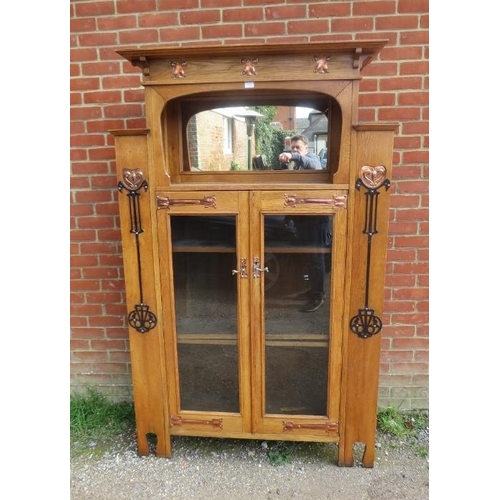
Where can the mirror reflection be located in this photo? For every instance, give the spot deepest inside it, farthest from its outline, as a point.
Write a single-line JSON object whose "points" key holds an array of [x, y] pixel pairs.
{"points": [[248, 138]]}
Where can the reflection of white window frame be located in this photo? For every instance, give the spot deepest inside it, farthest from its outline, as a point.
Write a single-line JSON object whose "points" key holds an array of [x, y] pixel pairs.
{"points": [[227, 132]]}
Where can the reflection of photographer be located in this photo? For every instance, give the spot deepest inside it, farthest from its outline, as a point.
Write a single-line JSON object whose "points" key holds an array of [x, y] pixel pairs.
{"points": [[299, 155], [314, 231]]}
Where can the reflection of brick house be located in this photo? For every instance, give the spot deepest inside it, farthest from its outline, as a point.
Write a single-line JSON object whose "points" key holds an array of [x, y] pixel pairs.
{"points": [[286, 116], [317, 132], [217, 140]]}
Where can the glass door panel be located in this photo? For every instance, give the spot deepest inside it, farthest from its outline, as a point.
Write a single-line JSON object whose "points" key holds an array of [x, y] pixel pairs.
{"points": [[205, 295], [298, 256]]}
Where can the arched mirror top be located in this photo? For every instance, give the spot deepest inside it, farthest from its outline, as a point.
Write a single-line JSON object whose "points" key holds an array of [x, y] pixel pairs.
{"points": [[248, 131]]}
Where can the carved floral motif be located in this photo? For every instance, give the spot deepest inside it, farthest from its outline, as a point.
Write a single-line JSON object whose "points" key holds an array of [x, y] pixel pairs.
{"points": [[249, 67], [178, 70], [321, 64]]}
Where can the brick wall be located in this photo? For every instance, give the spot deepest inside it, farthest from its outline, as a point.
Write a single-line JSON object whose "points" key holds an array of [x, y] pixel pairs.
{"points": [[106, 94]]}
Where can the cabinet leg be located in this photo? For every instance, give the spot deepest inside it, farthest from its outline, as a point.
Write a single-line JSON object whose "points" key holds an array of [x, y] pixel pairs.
{"points": [[346, 455], [159, 444], [369, 455]]}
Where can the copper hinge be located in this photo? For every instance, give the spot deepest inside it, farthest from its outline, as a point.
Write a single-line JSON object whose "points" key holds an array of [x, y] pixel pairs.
{"points": [[326, 426], [166, 202], [338, 202], [176, 420]]}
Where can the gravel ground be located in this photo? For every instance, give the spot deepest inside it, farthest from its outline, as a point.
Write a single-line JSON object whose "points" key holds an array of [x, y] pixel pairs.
{"points": [[223, 469]]}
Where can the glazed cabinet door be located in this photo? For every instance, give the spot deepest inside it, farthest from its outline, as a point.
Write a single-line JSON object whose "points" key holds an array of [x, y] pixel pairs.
{"points": [[298, 241], [204, 267], [252, 288]]}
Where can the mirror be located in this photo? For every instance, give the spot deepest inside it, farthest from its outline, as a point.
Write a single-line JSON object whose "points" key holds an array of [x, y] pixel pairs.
{"points": [[250, 138]]}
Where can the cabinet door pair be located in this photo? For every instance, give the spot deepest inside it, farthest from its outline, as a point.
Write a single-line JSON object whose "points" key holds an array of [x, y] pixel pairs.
{"points": [[252, 291]]}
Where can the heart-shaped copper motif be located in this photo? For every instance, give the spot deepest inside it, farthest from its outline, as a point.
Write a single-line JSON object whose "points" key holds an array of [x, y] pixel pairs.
{"points": [[373, 177], [132, 179]]}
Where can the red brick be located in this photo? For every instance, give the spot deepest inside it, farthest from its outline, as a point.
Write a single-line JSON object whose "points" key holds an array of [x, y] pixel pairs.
{"points": [[108, 345], [241, 15], [286, 12], [135, 6], [396, 23], [200, 17], [82, 24], [104, 321], [413, 98], [419, 6], [330, 9], [83, 9], [393, 280], [107, 367], [78, 345], [79, 367], [313, 26], [87, 333], [180, 4], [105, 126], [414, 38], [97, 39], [407, 142], [399, 306], [407, 201], [411, 293], [420, 127], [135, 123], [119, 357], [221, 31], [85, 113], [265, 29], [412, 241], [184, 33], [386, 99], [116, 23], [416, 157], [414, 214], [399, 114], [100, 298], [89, 168], [401, 254], [82, 84], [79, 55], [220, 3], [397, 356], [100, 68], [123, 110], [139, 36], [352, 24], [401, 53], [87, 140], [262, 2]]}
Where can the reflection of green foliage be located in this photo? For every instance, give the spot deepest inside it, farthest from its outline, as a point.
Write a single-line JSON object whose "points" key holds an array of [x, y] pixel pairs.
{"points": [[269, 140], [235, 166]]}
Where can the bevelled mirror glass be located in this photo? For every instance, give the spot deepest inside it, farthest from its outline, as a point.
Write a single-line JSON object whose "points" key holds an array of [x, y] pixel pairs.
{"points": [[246, 138], [246, 132]]}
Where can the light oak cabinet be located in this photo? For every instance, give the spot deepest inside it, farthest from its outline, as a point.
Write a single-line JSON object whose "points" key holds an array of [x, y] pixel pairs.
{"points": [[222, 246]]}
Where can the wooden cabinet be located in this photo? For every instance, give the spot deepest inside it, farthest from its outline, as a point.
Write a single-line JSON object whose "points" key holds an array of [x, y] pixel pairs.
{"points": [[255, 291]]}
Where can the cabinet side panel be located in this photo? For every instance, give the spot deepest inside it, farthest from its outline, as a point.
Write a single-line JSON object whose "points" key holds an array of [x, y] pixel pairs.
{"points": [[360, 374], [145, 348]]}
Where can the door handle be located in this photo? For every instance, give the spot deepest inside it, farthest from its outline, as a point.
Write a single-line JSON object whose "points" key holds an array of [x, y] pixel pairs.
{"points": [[256, 269], [243, 269]]}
